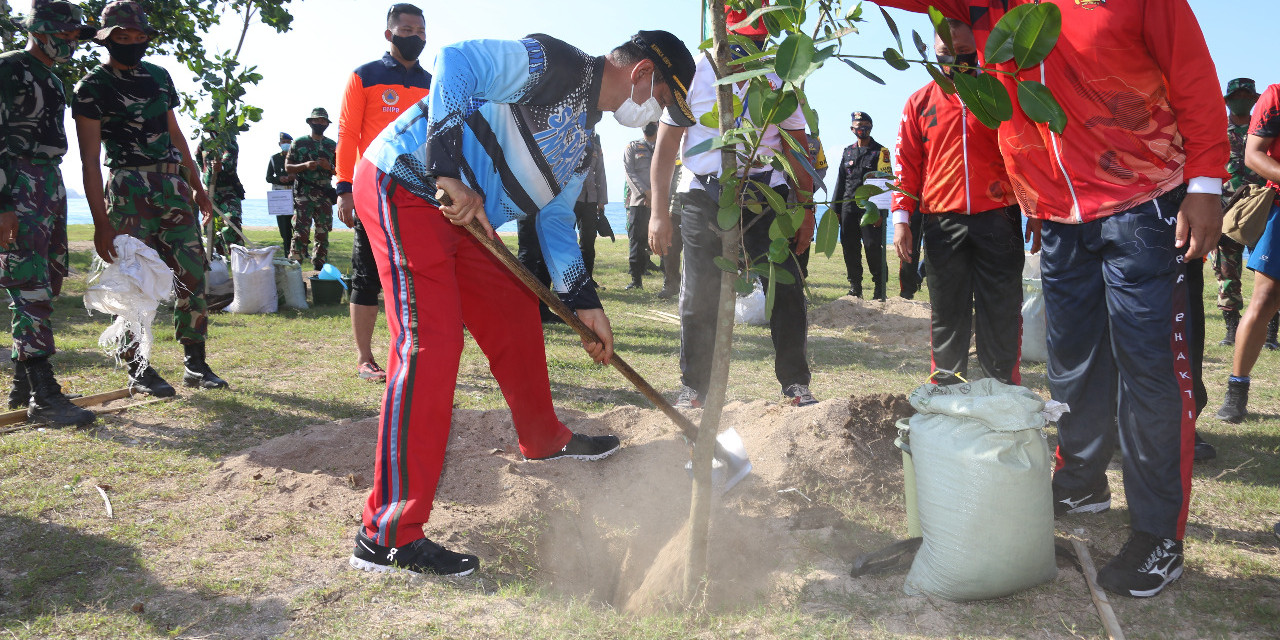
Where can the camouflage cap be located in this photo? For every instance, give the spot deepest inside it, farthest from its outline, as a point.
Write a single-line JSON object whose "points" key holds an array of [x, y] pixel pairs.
{"points": [[319, 112], [123, 14], [1241, 84], [55, 16]]}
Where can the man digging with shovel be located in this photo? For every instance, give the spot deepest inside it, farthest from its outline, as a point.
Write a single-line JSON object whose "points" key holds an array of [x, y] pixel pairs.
{"points": [[504, 134]]}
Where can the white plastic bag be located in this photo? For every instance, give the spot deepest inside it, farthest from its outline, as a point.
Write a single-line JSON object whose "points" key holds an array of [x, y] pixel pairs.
{"points": [[983, 491], [749, 309], [218, 278], [291, 292], [131, 288], [1035, 330], [254, 278]]}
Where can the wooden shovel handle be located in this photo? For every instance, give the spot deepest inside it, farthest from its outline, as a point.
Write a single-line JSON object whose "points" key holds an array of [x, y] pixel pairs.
{"points": [[503, 254]]}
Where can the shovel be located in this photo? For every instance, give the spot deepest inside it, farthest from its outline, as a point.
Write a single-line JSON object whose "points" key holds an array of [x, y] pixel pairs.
{"points": [[734, 465]]}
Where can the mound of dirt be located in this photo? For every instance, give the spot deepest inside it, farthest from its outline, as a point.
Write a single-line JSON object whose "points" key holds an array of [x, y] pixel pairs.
{"points": [[894, 321], [609, 531], [873, 424]]}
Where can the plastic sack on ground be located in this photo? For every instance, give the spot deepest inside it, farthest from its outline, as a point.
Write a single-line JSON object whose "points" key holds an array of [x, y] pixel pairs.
{"points": [[254, 278], [291, 292], [131, 288], [219, 278], [1035, 329], [982, 468], [749, 309]]}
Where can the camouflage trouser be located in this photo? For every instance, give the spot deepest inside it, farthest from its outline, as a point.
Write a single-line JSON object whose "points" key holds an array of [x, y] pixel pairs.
{"points": [[311, 206], [32, 272], [1227, 265], [229, 204], [158, 209]]}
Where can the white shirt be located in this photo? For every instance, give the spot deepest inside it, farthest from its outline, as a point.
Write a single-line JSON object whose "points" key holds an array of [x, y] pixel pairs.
{"points": [[702, 100]]}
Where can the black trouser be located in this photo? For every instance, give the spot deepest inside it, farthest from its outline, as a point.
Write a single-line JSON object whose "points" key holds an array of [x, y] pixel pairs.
{"points": [[974, 264], [365, 282], [529, 253], [285, 224], [638, 239], [909, 273], [588, 214], [700, 295], [854, 239], [1195, 314]]}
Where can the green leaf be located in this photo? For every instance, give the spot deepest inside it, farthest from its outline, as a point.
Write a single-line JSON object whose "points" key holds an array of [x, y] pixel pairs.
{"points": [[726, 265], [895, 59], [893, 27], [711, 119], [770, 294], [867, 191], [939, 78], [854, 14], [779, 274], [871, 216], [776, 202], [857, 67], [782, 106], [743, 285], [942, 28], [757, 92], [728, 217], [837, 34], [828, 233], [1025, 35], [794, 56], [985, 97], [920, 45], [755, 15], [1038, 103], [743, 75], [810, 117]]}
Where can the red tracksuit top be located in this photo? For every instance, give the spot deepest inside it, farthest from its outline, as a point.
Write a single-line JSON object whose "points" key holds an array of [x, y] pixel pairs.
{"points": [[948, 158], [1131, 136], [376, 94]]}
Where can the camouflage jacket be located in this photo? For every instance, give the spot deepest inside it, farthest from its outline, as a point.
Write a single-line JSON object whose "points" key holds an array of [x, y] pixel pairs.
{"points": [[1240, 174], [306, 149], [228, 179], [32, 105], [133, 106]]}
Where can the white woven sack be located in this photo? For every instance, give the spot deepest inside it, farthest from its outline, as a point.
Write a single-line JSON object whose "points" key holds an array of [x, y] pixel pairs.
{"points": [[254, 278], [290, 289], [131, 288]]}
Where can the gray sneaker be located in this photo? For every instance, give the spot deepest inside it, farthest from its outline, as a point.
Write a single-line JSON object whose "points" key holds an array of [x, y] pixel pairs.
{"points": [[799, 395], [688, 398]]}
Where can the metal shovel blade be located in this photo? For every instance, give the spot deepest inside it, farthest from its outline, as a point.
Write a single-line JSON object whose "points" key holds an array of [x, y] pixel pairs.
{"points": [[731, 463]]}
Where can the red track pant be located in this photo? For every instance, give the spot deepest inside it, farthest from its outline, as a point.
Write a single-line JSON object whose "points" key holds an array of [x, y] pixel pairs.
{"points": [[436, 278]]}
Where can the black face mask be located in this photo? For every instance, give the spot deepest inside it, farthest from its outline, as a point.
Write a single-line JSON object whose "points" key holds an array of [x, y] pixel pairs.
{"points": [[128, 55], [408, 46], [964, 59], [318, 129]]}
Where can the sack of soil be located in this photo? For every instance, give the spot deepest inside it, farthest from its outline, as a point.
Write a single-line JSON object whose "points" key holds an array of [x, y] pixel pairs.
{"points": [[291, 292], [254, 279], [982, 467]]}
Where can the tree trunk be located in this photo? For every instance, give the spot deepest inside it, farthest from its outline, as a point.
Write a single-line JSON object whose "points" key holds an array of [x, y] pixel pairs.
{"points": [[696, 576]]}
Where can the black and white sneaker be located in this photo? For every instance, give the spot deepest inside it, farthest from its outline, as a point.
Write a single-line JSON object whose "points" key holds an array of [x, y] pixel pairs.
{"points": [[582, 447], [421, 556], [1095, 500], [688, 398], [1144, 566], [798, 395]]}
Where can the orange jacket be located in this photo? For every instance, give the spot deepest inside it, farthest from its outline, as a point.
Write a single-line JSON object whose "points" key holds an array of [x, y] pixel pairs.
{"points": [[376, 94], [947, 158], [1131, 136]]}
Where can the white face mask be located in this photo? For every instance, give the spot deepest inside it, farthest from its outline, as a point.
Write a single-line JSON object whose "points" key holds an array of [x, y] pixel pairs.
{"points": [[630, 114], [284, 146]]}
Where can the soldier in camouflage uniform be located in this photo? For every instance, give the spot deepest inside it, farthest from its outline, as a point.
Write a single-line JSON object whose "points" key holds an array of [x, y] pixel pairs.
{"points": [[311, 161], [220, 166], [33, 203], [1228, 260], [126, 105]]}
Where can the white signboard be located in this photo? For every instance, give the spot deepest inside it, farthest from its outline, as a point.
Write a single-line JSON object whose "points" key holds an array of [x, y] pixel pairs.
{"points": [[885, 200], [280, 203]]}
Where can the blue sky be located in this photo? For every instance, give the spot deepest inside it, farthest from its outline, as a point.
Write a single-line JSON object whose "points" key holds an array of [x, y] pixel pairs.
{"points": [[309, 66]]}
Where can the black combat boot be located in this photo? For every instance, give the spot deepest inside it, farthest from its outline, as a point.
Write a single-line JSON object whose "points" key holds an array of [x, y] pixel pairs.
{"points": [[1233, 406], [20, 394], [1272, 344], [48, 405], [198, 374], [143, 378], [1232, 320]]}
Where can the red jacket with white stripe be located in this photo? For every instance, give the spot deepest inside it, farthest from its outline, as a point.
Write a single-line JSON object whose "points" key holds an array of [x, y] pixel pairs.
{"points": [[1131, 136], [947, 158]]}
